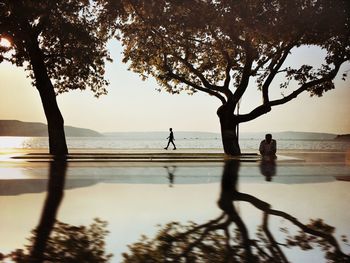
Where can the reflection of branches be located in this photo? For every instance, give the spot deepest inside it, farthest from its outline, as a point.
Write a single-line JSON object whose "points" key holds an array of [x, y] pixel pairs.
{"points": [[57, 242], [324, 239], [231, 171], [68, 243], [227, 239], [275, 250]]}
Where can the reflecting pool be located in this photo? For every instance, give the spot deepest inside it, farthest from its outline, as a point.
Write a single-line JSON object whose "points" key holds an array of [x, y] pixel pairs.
{"points": [[228, 211]]}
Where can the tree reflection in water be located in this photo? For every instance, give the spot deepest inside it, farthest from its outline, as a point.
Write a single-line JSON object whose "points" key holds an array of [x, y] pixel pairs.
{"points": [[227, 239], [54, 241]]}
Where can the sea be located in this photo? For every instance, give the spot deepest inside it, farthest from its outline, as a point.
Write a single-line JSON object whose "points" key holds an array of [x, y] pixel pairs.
{"points": [[157, 140]]}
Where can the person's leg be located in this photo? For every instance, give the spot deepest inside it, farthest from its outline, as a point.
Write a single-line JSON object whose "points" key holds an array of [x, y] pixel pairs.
{"points": [[166, 148], [173, 144]]}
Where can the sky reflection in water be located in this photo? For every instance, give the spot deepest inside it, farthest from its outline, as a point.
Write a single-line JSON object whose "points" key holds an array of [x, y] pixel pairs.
{"points": [[204, 195]]}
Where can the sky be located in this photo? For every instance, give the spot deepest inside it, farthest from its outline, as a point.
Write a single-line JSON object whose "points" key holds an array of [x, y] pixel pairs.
{"points": [[134, 105]]}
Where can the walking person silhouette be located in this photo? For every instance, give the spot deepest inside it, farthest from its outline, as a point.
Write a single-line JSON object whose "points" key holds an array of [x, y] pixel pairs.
{"points": [[171, 139]]}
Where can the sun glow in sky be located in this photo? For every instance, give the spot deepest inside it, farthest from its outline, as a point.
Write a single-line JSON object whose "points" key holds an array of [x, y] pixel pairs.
{"points": [[135, 105], [4, 42]]}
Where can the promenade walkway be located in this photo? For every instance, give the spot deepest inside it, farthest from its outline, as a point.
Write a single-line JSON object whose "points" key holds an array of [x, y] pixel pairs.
{"points": [[139, 155]]}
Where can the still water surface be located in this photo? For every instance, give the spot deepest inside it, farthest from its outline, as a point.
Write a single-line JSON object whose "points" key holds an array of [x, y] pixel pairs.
{"points": [[238, 210]]}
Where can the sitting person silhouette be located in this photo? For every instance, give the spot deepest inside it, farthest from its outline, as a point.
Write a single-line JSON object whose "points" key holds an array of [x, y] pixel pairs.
{"points": [[268, 147], [171, 139]]}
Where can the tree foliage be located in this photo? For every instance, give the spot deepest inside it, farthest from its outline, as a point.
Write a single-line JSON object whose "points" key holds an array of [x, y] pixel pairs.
{"points": [[71, 36], [222, 47], [62, 44], [218, 47]]}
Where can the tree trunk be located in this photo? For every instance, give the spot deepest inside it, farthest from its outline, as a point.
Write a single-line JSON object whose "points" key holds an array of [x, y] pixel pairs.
{"points": [[55, 123], [229, 134]]}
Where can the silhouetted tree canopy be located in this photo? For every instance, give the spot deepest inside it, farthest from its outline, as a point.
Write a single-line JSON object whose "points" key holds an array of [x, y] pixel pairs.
{"points": [[219, 47], [71, 35], [69, 243], [62, 45]]}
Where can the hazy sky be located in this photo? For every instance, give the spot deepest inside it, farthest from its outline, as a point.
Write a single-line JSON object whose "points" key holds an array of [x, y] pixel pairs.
{"points": [[135, 105]]}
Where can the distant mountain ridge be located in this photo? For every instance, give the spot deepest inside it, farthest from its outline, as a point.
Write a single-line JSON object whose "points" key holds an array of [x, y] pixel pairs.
{"points": [[291, 135], [37, 129]]}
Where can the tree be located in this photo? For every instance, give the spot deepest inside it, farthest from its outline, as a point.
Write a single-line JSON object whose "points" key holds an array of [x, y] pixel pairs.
{"points": [[62, 44], [220, 47]]}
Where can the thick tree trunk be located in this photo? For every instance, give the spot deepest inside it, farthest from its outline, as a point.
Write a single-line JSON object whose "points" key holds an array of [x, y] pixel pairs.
{"points": [[229, 134], [55, 123]]}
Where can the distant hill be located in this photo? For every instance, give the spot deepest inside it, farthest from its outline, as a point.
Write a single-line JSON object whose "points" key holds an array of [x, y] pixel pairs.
{"points": [[37, 129], [290, 135]]}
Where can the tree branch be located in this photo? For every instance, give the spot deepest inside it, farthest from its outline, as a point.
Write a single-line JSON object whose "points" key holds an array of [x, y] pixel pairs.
{"points": [[198, 74], [245, 75], [274, 70], [227, 73], [209, 88], [265, 108], [228, 61], [40, 26], [197, 87], [260, 65]]}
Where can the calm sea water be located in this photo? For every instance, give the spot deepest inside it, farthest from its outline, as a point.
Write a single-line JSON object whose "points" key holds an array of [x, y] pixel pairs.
{"points": [[158, 142]]}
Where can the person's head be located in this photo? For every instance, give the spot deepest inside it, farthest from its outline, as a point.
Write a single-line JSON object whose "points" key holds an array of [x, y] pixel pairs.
{"points": [[268, 137], [170, 129]]}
